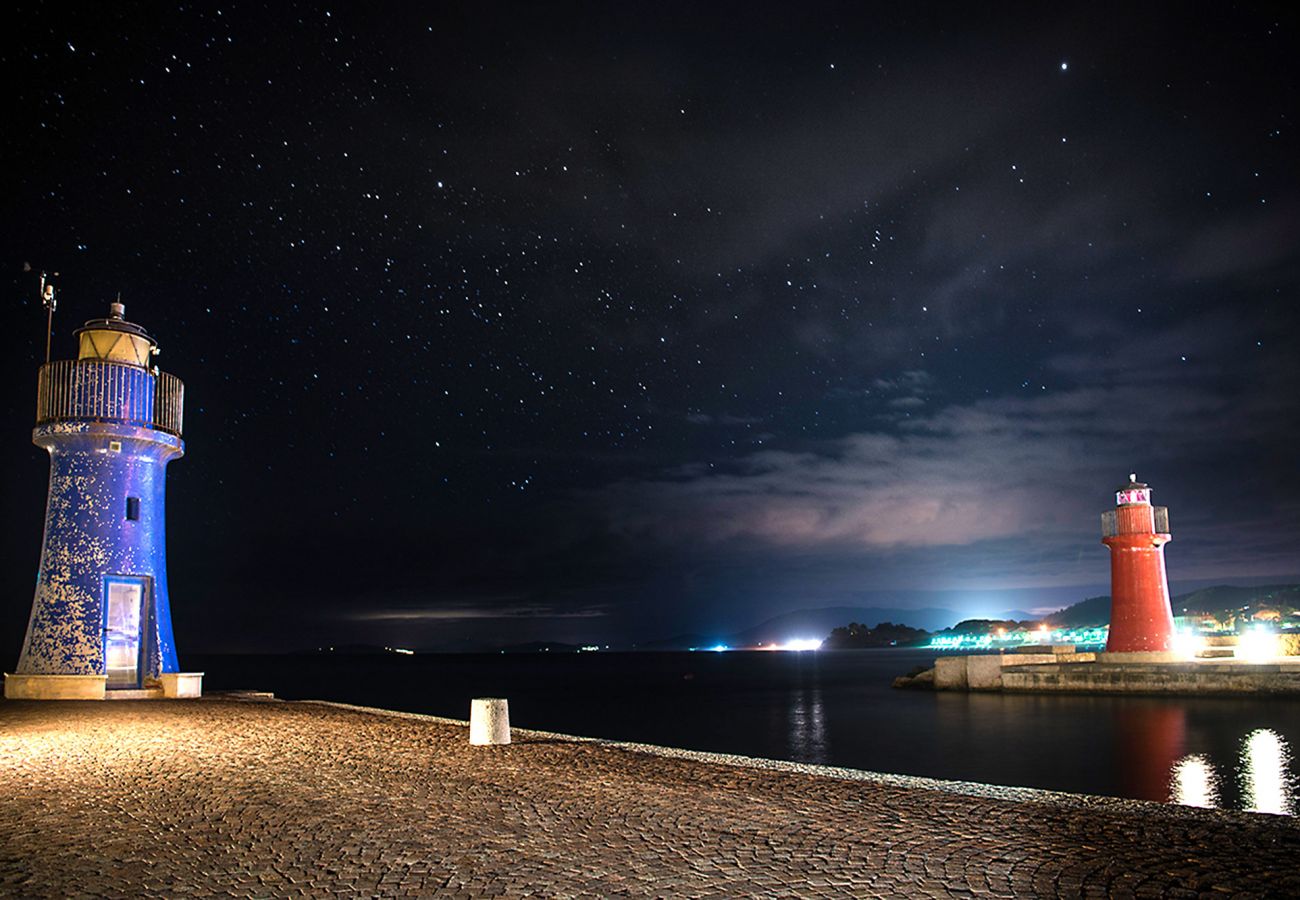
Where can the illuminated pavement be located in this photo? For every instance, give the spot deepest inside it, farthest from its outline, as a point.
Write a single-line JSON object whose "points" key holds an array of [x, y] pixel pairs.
{"points": [[211, 797]]}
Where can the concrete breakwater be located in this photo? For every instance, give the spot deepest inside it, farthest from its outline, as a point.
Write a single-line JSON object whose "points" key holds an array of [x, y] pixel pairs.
{"points": [[214, 797], [1064, 670]]}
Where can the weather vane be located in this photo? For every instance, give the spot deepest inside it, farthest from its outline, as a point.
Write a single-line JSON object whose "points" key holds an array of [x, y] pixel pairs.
{"points": [[48, 301]]}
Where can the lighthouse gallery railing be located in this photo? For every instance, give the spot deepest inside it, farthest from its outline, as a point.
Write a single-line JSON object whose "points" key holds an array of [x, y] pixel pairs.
{"points": [[110, 392], [1135, 522]]}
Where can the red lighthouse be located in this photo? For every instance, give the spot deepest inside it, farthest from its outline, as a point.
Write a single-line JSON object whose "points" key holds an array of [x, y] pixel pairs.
{"points": [[1136, 533]]}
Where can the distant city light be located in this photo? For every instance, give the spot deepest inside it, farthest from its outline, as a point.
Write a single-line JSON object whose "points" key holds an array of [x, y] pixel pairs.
{"points": [[800, 644], [719, 648], [1082, 637]]}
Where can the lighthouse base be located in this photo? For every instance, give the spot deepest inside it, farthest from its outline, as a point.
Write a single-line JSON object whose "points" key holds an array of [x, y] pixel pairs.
{"points": [[170, 686], [182, 685], [54, 687]]}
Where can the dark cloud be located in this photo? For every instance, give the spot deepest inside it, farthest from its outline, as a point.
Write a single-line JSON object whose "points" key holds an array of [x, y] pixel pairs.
{"points": [[1249, 244], [1019, 477]]}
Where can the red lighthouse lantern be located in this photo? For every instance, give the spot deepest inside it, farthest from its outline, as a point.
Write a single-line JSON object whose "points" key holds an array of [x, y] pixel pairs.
{"points": [[1136, 533]]}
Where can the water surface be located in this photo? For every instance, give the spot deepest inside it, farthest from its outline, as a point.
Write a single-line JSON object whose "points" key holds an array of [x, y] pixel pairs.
{"points": [[834, 708]]}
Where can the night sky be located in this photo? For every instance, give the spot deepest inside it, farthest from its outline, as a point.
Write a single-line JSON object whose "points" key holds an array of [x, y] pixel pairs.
{"points": [[604, 323]]}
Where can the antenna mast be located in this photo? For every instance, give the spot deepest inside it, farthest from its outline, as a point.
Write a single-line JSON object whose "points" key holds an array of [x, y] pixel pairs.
{"points": [[48, 301], [47, 298]]}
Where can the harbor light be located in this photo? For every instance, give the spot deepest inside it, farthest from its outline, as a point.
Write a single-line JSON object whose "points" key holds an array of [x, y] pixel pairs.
{"points": [[1258, 645], [801, 644], [1187, 645], [1083, 637]]}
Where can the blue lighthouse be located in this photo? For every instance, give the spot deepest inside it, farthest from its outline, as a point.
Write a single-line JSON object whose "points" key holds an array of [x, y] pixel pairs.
{"points": [[101, 624]]}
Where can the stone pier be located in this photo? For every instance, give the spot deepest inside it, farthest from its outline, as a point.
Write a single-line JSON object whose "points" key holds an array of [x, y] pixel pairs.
{"points": [[1111, 673], [212, 797]]}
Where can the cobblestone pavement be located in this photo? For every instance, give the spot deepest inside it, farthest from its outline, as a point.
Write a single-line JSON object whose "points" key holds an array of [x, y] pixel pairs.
{"points": [[197, 798]]}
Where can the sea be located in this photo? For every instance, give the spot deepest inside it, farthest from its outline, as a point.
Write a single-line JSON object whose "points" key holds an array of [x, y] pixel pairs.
{"points": [[833, 708]]}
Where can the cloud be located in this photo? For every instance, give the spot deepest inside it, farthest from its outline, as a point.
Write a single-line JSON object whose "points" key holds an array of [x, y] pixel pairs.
{"points": [[912, 382], [700, 418], [1245, 244], [1023, 476], [966, 477]]}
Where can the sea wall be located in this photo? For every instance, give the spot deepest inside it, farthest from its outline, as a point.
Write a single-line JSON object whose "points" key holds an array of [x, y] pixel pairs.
{"points": [[1103, 673], [1204, 677], [983, 672]]}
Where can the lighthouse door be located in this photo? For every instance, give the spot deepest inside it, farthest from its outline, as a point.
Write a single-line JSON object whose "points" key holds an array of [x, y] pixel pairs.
{"points": [[123, 617]]}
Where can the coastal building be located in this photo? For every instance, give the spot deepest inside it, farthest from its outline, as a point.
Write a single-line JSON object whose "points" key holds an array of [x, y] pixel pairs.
{"points": [[101, 621], [1141, 620]]}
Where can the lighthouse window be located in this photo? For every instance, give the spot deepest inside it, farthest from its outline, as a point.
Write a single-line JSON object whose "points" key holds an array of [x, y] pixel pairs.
{"points": [[133, 508]]}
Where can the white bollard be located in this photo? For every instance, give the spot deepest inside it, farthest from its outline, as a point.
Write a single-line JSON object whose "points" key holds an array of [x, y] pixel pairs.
{"points": [[489, 721]]}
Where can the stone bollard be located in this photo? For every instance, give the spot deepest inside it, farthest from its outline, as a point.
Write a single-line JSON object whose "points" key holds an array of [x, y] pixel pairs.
{"points": [[489, 721]]}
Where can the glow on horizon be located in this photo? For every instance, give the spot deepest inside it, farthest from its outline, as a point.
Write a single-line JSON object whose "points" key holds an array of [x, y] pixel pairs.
{"points": [[801, 644]]}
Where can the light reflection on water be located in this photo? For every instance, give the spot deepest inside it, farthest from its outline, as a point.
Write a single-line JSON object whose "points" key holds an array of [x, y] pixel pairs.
{"points": [[1266, 783], [1263, 770], [1148, 744], [808, 726], [837, 708], [1194, 782]]}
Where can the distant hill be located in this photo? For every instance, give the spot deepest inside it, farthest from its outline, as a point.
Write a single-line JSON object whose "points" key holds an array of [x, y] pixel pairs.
{"points": [[1090, 613], [1224, 597], [1095, 611], [1017, 615], [857, 636]]}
